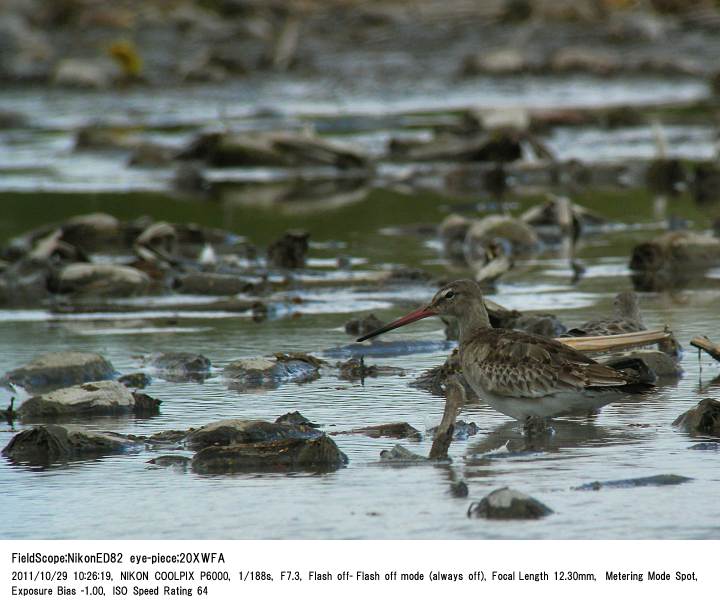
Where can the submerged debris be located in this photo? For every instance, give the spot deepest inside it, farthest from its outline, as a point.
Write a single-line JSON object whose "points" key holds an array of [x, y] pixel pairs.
{"points": [[385, 430], [659, 480]]}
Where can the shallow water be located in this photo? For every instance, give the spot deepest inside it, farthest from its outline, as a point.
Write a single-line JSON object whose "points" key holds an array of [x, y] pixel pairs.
{"points": [[123, 497]]}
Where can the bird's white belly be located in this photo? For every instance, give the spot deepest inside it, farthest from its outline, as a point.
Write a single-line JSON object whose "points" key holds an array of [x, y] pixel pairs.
{"points": [[555, 405]]}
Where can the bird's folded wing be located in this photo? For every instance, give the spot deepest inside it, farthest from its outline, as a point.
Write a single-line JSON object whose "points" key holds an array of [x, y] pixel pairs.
{"points": [[523, 365]]}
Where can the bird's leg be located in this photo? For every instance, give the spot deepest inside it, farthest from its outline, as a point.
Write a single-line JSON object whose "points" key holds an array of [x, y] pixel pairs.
{"points": [[536, 426]]}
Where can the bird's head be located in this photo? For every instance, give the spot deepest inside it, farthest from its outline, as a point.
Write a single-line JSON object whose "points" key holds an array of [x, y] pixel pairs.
{"points": [[452, 300]]}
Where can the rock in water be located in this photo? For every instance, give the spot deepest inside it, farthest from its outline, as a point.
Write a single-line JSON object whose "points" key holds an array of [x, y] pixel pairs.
{"points": [[508, 504], [145, 406], [400, 454], [355, 369], [264, 372], [172, 461], [88, 279], [295, 418], [290, 250], [649, 365], [181, 366], [247, 431], [86, 400], [459, 489], [518, 234], [364, 325], [387, 430], [47, 443], [703, 419], [93, 232], [290, 454], [135, 380], [61, 369], [676, 252]]}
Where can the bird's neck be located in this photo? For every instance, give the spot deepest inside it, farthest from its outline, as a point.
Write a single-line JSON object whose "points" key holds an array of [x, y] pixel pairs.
{"points": [[629, 312], [475, 318]]}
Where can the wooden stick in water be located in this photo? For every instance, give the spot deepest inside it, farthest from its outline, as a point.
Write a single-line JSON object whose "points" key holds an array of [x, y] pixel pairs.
{"points": [[705, 344], [617, 342], [454, 401]]}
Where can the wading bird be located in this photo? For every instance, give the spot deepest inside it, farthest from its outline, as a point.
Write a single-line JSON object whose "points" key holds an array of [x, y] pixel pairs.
{"points": [[520, 374]]}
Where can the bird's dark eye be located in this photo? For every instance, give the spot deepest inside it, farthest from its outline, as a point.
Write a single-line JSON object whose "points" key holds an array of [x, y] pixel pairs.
{"points": [[449, 294]]}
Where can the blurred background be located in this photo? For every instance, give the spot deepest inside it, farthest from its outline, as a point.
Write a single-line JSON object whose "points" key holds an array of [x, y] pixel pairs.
{"points": [[154, 97]]}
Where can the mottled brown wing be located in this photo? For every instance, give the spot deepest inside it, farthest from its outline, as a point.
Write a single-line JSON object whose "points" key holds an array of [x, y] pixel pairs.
{"points": [[607, 327], [518, 364]]}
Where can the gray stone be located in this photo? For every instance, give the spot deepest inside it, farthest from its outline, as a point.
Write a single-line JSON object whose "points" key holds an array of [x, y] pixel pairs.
{"points": [[135, 380], [89, 399], [88, 279], [508, 504], [145, 406], [295, 418], [401, 455], [650, 365], [61, 369], [268, 373], [319, 453], [245, 431], [48, 443], [180, 366], [92, 232]]}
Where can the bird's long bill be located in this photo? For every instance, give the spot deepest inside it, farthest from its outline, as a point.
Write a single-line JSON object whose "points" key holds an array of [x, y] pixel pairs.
{"points": [[403, 321]]}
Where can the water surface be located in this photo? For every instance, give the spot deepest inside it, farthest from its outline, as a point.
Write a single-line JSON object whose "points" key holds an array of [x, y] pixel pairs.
{"points": [[122, 497]]}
